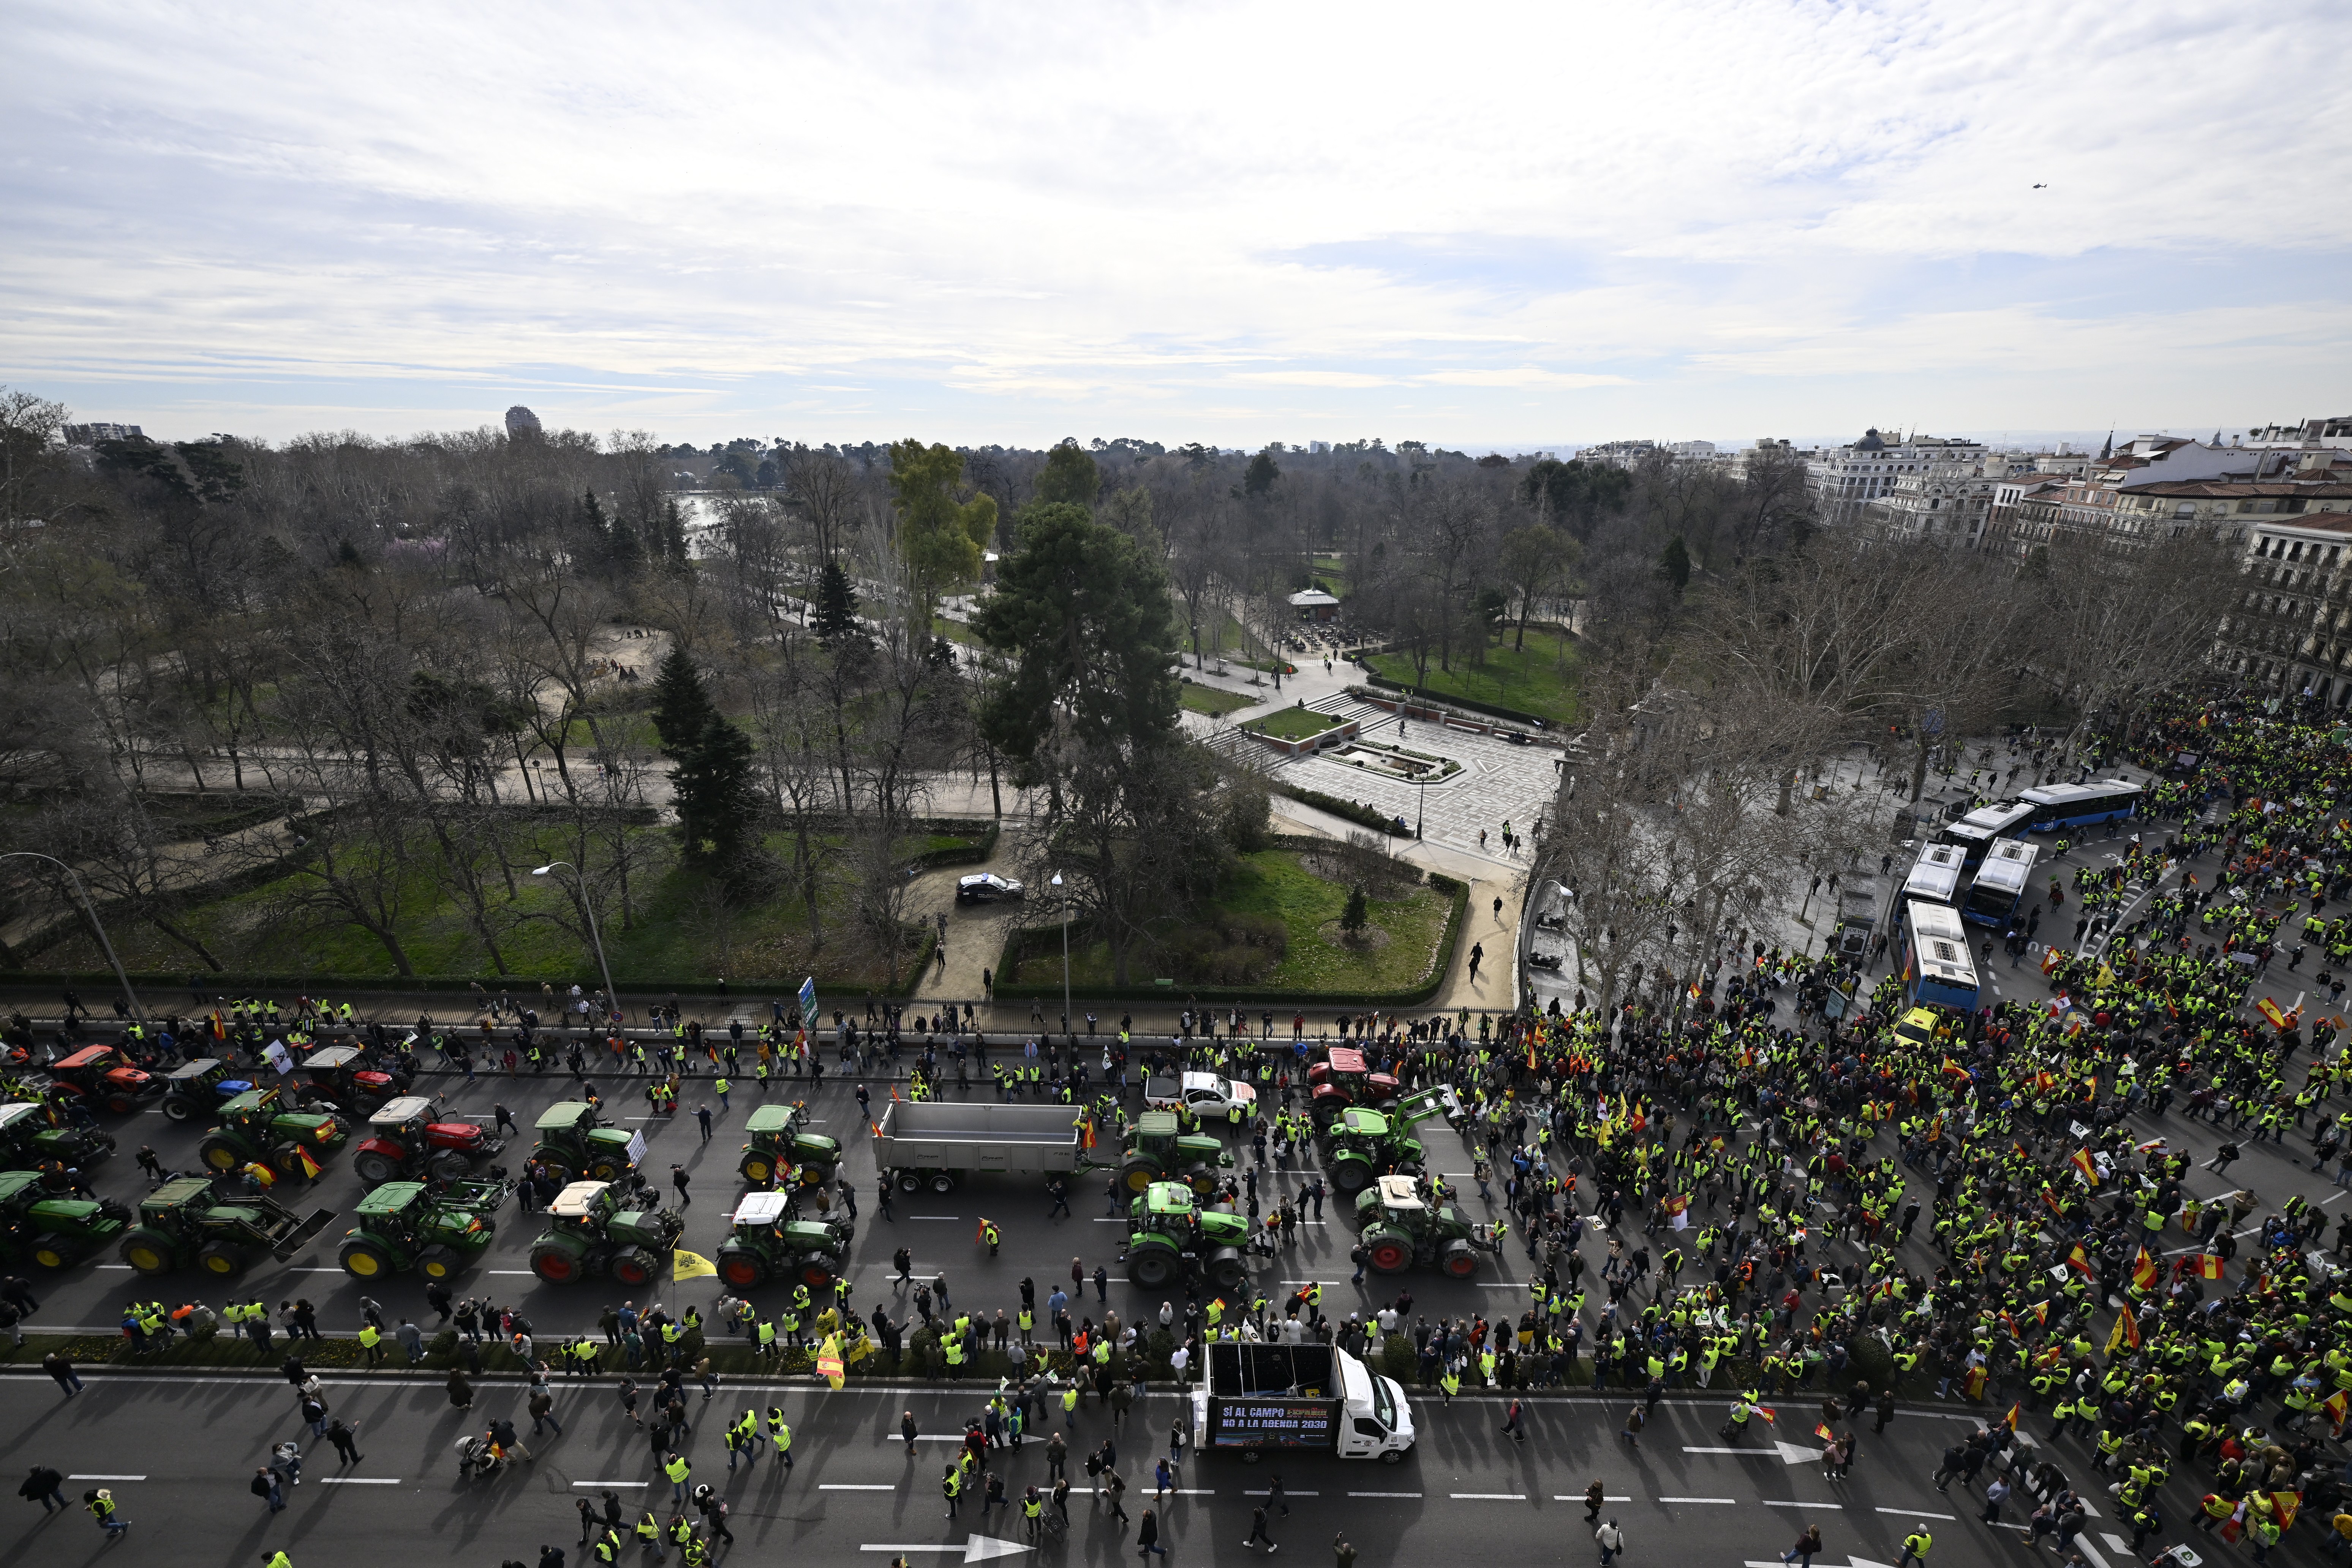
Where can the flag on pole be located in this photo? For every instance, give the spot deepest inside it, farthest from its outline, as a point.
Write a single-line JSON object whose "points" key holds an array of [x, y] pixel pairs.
{"points": [[2081, 1159], [2115, 1335], [1954, 1069], [2209, 1266], [2079, 1260], [2016, 1414], [2145, 1273], [309, 1167], [1769, 1413], [1822, 1430], [2337, 1406], [2288, 1504], [2270, 1009], [685, 1266]]}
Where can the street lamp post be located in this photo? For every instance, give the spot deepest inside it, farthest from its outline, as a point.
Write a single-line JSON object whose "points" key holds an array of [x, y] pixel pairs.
{"points": [[1067, 1030], [1421, 812], [612, 995], [91, 909]]}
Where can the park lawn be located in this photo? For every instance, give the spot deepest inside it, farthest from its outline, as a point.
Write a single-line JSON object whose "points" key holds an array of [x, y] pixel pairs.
{"points": [[956, 632], [1331, 575], [1274, 882], [1529, 679], [1292, 723], [1214, 700], [679, 929]]}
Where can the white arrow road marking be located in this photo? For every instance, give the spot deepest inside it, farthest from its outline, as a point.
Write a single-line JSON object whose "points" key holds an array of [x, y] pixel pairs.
{"points": [[977, 1549]]}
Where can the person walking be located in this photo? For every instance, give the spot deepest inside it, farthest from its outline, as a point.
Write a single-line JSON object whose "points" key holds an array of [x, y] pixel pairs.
{"points": [[1995, 1493], [42, 1484], [101, 1504], [1610, 1539], [1343, 1552], [1514, 1424], [1916, 1546], [1594, 1498], [1258, 1530], [1147, 1536], [264, 1486], [1801, 1553], [60, 1367]]}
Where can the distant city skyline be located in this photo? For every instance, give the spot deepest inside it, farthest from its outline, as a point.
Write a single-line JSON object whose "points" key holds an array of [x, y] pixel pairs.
{"points": [[1212, 223]]}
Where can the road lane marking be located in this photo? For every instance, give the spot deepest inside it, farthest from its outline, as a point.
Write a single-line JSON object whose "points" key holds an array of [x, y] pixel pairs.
{"points": [[1579, 1497], [1489, 1496], [106, 1477], [1725, 1500], [1383, 1494], [954, 1216], [1791, 1503], [577, 1485], [1285, 1491], [2098, 1560], [359, 1480], [855, 1487], [1916, 1513]]}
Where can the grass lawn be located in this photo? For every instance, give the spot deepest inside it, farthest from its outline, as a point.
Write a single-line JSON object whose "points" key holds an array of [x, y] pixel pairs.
{"points": [[1214, 700], [1530, 680], [677, 928], [955, 631], [1276, 883], [1292, 723]]}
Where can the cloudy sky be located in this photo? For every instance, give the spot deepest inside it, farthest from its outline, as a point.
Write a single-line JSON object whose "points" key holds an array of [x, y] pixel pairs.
{"points": [[1197, 222]]}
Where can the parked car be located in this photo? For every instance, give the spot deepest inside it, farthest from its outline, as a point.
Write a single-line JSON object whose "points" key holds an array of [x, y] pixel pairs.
{"points": [[986, 887]]}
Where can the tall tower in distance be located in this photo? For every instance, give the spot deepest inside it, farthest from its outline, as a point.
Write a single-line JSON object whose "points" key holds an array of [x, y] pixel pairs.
{"points": [[521, 422]]}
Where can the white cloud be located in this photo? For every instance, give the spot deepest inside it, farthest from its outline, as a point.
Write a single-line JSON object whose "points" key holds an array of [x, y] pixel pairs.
{"points": [[1007, 220]]}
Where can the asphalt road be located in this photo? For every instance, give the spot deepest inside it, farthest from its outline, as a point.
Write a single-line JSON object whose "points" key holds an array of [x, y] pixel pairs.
{"points": [[856, 1494]]}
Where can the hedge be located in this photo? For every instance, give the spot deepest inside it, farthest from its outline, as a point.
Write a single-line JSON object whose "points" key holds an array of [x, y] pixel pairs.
{"points": [[1469, 704], [1361, 816]]}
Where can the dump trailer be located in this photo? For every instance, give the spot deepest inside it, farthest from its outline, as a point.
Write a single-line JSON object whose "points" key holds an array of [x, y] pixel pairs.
{"points": [[937, 1143], [1307, 1399]]}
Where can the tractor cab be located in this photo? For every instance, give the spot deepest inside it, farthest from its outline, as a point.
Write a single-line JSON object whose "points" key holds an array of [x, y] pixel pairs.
{"points": [[780, 1147], [584, 1206], [404, 1140], [1166, 1208], [573, 1143], [205, 1075], [1343, 1079], [1157, 1151], [340, 1074], [759, 1216], [100, 1075]]}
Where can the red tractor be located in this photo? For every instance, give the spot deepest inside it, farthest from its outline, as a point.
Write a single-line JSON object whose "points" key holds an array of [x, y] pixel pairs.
{"points": [[100, 1076], [404, 1143], [1343, 1078], [338, 1078]]}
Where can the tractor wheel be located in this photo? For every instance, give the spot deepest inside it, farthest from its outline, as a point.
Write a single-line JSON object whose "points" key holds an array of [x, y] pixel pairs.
{"points": [[1388, 1254], [556, 1265], [816, 1175], [1152, 1267], [757, 1169], [603, 1170], [439, 1262], [1458, 1260], [636, 1266], [449, 1166], [1227, 1270], [178, 1109], [48, 1255], [219, 1154], [363, 1259], [942, 1183], [911, 1180], [147, 1252], [121, 1104], [556, 1171], [373, 1168], [1350, 1175], [220, 1259], [288, 1162], [741, 1269], [1137, 1173], [815, 1273], [1203, 1180]]}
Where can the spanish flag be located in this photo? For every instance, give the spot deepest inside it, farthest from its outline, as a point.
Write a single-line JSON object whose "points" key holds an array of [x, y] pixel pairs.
{"points": [[2288, 1505], [2270, 1010], [2145, 1273], [1769, 1413], [2209, 1264], [685, 1266], [2082, 1160], [1955, 1068], [2016, 1412], [2081, 1262], [309, 1167], [1824, 1434], [2337, 1406]]}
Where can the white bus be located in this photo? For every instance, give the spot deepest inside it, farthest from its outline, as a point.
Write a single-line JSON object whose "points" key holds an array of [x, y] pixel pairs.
{"points": [[2001, 883], [2072, 805], [1976, 832], [1936, 877], [1937, 966]]}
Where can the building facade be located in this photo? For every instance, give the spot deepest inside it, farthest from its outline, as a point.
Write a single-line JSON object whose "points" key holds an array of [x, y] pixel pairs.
{"points": [[1848, 480]]}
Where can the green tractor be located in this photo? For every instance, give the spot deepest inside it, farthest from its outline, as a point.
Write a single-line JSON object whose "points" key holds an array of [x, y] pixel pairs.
{"points": [[1157, 1151], [29, 1137], [405, 1225], [52, 1231], [589, 1234], [1401, 1231], [184, 1222], [574, 1146], [779, 1147], [766, 1245], [1170, 1236], [1360, 1146], [254, 1129]]}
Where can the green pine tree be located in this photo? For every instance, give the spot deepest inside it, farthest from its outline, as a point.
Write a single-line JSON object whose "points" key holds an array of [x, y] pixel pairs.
{"points": [[836, 606], [1357, 914], [716, 793], [682, 705]]}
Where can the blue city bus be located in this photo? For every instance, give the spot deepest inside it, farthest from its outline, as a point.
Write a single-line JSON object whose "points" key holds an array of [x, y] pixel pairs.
{"points": [[1937, 968], [1976, 832], [2001, 883], [2072, 805], [1936, 877]]}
